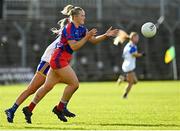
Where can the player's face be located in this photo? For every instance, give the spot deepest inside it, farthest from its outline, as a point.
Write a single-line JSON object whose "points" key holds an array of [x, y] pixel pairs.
{"points": [[81, 17], [136, 38]]}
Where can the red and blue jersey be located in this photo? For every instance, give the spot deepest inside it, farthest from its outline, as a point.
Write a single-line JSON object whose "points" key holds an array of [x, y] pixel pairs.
{"points": [[63, 54], [70, 32]]}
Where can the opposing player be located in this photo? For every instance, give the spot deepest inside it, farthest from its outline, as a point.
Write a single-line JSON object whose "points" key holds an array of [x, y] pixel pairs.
{"points": [[72, 37], [130, 53], [36, 82]]}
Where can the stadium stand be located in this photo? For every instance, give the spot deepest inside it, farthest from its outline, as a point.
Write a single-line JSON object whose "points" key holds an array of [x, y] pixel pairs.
{"points": [[92, 63]]}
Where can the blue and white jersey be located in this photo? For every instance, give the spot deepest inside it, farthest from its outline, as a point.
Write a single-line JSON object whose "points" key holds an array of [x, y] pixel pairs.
{"points": [[129, 63], [49, 50]]}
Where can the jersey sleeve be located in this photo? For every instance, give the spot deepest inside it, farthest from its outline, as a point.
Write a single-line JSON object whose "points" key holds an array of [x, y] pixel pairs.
{"points": [[133, 49]]}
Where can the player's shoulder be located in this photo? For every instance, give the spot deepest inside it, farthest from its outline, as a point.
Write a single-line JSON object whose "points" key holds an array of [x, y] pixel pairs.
{"points": [[67, 28], [82, 26], [128, 45], [131, 45]]}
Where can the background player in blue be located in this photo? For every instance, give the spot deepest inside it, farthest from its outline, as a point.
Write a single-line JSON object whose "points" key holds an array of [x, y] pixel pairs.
{"points": [[130, 53], [72, 37]]}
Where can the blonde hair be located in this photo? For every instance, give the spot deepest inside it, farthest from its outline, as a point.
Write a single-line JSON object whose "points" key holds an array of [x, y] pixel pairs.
{"points": [[132, 34], [123, 36], [69, 11]]}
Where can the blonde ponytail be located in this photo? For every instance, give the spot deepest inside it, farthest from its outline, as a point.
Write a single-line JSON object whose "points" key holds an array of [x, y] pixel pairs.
{"points": [[121, 37], [67, 10], [61, 23], [55, 30]]}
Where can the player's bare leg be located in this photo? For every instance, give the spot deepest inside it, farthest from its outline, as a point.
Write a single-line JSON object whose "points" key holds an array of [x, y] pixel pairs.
{"points": [[35, 83], [51, 80], [120, 79], [130, 80], [69, 77]]}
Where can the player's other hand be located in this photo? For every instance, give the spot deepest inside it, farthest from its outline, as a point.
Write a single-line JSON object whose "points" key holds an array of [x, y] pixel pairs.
{"points": [[112, 32], [91, 33]]}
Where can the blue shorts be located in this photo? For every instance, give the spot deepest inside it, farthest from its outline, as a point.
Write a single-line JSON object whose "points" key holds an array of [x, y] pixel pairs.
{"points": [[43, 68]]}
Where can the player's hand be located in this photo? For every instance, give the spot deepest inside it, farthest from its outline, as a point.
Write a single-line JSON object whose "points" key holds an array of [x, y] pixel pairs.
{"points": [[91, 33], [111, 32], [143, 53]]}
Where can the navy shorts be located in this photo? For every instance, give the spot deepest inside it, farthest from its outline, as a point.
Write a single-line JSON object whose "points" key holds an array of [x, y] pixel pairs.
{"points": [[43, 68]]}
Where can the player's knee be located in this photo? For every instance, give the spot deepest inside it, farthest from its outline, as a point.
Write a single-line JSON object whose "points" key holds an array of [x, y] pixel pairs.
{"points": [[47, 88], [75, 85], [135, 82], [131, 82], [30, 91]]}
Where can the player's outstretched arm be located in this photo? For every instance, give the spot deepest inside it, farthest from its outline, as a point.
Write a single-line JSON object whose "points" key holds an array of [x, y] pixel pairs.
{"points": [[109, 33]]}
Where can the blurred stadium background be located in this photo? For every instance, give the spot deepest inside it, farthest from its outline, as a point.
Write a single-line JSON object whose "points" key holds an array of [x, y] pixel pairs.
{"points": [[25, 33]]}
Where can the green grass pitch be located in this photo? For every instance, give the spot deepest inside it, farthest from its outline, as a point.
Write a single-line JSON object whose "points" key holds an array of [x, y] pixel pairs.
{"points": [[99, 105]]}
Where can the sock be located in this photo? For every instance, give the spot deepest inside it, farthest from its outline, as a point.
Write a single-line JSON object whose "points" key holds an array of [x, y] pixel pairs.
{"points": [[61, 105], [14, 107], [65, 105], [31, 106]]}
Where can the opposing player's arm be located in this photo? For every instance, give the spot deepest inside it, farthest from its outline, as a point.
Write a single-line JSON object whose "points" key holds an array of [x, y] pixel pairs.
{"points": [[137, 54], [134, 52], [75, 45]]}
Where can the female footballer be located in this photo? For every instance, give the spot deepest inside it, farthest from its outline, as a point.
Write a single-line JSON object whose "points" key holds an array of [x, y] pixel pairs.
{"points": [[72, 37], [130, 53]]}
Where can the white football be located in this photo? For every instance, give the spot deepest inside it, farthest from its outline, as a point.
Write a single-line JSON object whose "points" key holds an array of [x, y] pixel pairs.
{"points": [[148, 29]]}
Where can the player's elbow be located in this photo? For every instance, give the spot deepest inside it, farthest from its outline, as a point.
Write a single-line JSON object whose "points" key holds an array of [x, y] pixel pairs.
{"points": [[93, 41], [74, 47]]}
